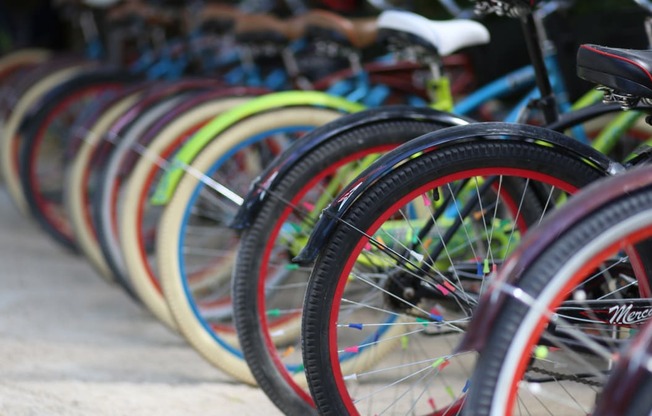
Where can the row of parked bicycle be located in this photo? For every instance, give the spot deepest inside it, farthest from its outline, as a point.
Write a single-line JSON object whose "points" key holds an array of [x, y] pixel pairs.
{"points": [[362, 245]]}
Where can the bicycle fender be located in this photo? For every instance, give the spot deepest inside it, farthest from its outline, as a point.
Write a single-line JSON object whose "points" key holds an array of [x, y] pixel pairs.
{"points": [[505, 284], [170, 179], [263, 186], [441, 139], [625, 378]]}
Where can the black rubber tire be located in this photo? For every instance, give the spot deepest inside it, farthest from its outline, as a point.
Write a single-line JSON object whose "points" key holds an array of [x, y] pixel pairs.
{"points": [[84, 85], [415, 174], [247, 276], [549, 260]]}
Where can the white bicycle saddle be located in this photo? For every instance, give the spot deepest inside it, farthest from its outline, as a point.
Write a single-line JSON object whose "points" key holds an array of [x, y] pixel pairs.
{"points": [[447, 36]]}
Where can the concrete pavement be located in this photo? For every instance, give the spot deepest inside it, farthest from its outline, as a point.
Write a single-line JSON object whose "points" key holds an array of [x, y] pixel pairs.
{"points": [[72, 344]]}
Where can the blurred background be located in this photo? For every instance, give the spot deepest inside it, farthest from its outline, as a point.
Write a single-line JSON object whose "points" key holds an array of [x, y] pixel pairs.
{"points": [[617, 23]]}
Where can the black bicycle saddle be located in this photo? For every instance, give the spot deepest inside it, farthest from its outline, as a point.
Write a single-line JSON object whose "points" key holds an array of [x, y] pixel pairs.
{"points": [[626, 71]]}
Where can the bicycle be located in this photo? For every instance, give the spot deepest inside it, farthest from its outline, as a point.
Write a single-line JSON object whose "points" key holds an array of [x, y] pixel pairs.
{"points": [[404, 251], [279, 382], [37, 167], [60, 87], [269, 109], [579, 288], [103, 251]]}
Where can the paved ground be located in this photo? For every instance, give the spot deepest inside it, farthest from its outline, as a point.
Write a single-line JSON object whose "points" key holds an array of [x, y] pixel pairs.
{"points": [[71, 344]]}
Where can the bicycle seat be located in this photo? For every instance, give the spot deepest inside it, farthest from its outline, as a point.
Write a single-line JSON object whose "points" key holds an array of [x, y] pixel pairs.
{"points": [[445, 37], [217, 18], [358, 32], [149, 14], [624, 70], [264, 28]]}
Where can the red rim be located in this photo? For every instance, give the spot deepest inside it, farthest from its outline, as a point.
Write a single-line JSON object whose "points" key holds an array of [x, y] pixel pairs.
{"points": [[143, 197], [262, 316], [334, 311], [47, 207], [581, 273]]}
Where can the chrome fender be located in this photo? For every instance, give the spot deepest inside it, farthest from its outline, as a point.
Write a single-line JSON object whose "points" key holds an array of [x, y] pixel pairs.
{"points": [[274, 174], [441, 139]]}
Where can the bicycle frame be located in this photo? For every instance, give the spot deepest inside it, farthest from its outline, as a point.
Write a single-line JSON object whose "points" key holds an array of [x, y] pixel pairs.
{"points": [[508, 84]]}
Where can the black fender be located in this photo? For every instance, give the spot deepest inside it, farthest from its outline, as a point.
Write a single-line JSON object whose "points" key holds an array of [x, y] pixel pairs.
{"points": [[441, 139], [267, 181]]}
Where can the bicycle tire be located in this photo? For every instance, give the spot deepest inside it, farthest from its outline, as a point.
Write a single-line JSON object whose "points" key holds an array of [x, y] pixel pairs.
{"points": [[75, 171], [16, 60], [106, 193], [556, 271], [59, 105], [259, 240], [10, 143], [142, 277], [221, 350], [404, 313], [91, 231]]}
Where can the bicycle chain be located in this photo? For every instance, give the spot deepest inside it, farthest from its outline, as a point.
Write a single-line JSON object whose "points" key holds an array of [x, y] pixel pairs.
{"points": [[567, 377]]}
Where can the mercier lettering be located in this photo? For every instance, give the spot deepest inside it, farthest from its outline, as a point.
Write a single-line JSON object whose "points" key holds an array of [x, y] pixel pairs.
{"points": [[623, 314]]}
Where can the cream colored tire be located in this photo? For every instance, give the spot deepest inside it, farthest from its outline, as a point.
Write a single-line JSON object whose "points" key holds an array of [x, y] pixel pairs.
{"points": [[9, 137], [143, 278], [172, 222], [75, 188]]}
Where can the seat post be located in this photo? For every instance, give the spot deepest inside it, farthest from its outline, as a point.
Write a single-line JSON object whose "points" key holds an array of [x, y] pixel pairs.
{"points": [[532, 41]]}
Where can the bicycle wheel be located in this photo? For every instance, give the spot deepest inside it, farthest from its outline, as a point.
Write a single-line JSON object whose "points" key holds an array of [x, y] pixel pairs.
{"points": [[137, 219], [108, 164], [195, 247], [83, 196], [45, 135], [21, 59], [267, 288], [577, 302], [396, 282], [10, 139], [75, 173]]}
